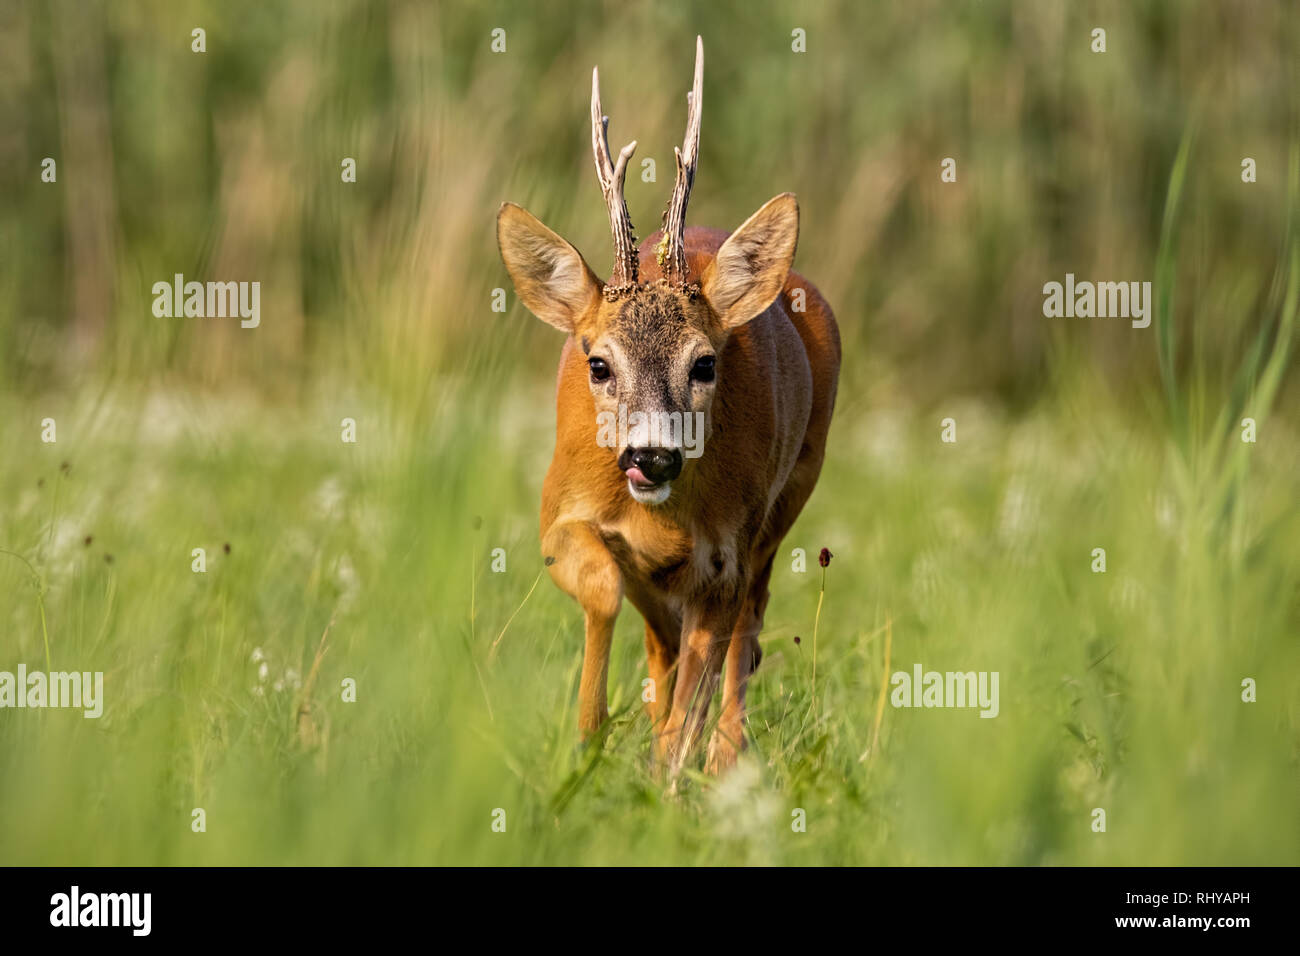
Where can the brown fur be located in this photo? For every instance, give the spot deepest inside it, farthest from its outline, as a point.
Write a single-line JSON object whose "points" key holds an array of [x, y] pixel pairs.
{"points": [[696, 567]]}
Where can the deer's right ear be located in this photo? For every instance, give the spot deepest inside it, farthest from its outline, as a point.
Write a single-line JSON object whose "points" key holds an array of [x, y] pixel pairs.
{"points": [[550, 276]]}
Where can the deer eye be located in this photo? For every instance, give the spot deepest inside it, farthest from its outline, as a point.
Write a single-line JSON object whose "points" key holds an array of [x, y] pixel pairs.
{"points": [[599, 370], [702, 370]]}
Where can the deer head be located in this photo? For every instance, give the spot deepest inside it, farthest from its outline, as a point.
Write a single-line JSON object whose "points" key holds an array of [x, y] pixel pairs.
{"points": [[653, 347]]}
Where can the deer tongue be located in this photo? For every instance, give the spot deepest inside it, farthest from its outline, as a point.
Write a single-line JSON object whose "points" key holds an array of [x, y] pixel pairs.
{"points": [[636, 476]]}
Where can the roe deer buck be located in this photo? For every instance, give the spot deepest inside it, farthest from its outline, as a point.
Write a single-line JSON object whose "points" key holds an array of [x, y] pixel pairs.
{"points": [[697, 322]]}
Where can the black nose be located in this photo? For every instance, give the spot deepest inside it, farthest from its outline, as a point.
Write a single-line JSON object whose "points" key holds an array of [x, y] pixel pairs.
{"points": [[657, 464]]}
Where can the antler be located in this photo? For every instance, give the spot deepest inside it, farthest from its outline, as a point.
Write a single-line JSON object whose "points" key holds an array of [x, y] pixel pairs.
{"points": [[671, 252], [611, 176]]}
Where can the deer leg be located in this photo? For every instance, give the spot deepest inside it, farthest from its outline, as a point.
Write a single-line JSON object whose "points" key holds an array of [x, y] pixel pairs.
{"points": [[584, 569], [705, 639], [663, 637], [743, 655], [661, 659]]}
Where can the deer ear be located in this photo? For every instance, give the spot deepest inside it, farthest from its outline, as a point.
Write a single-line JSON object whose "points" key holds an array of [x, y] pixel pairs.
{"points": [[550, 276], [751, 267]]}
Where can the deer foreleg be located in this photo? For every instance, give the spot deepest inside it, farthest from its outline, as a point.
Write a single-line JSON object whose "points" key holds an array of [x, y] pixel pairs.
{"points": [[584, 568]]}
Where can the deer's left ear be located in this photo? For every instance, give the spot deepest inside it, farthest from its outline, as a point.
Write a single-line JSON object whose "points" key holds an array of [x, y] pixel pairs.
{"points": [[552, 279], [749, 270]]}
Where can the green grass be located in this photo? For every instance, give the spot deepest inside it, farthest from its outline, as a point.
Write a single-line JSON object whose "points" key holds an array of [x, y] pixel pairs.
{"points": [[1118, 690]]}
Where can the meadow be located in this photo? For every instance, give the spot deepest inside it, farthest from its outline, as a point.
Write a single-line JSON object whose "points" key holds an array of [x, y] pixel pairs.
{"points": [[407, 562]]}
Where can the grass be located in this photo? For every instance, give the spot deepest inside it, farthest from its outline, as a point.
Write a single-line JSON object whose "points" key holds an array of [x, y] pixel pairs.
{"points": [[1119, 690]]}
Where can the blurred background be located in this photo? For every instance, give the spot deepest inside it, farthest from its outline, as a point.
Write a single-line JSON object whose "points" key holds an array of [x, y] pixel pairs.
{"points": [[226, 165], [1120, 690]]}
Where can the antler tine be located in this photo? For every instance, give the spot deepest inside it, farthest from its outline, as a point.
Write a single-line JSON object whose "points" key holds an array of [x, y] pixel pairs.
{"points": [[611, 176], [671, 253]]}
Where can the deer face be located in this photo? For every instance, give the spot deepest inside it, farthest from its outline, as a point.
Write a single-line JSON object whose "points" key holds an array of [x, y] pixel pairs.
{"points": [[652, 370], [652, 351]]}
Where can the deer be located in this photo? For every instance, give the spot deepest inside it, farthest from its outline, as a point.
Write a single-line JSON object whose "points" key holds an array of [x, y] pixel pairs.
{"points": [[702, 323]]}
